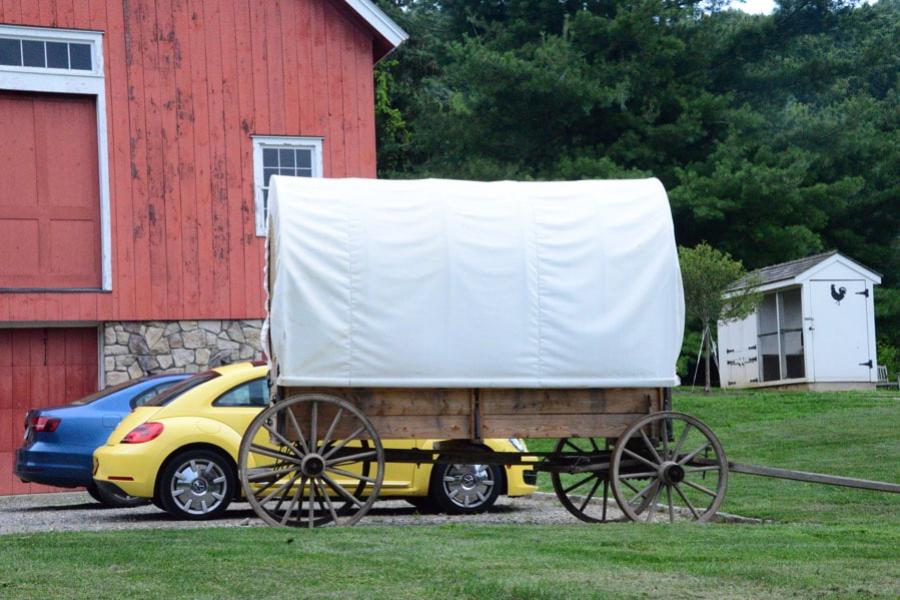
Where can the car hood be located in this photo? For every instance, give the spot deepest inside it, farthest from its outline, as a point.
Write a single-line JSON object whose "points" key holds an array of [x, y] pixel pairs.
{"points": [[138, 416]]}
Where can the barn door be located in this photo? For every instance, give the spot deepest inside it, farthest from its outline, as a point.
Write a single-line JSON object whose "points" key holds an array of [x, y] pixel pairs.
{"points": [[39, 367], [49, 195], [840, 330]]}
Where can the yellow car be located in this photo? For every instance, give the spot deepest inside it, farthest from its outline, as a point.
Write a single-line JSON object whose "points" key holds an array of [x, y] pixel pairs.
{"points": [[181, 451]]}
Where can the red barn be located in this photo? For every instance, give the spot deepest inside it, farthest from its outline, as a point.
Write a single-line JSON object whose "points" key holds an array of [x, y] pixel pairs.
{"points": [[136, 141]]}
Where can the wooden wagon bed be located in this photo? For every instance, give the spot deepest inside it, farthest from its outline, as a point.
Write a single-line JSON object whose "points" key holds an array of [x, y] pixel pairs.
{"points": [[475, 414]]}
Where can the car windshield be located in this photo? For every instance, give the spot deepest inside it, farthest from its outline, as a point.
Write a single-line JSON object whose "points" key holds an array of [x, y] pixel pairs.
{"points": [[107, 391], [176, 390]]}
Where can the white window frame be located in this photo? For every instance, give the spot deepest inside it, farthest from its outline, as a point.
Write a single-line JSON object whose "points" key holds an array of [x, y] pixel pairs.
{"points": [[71, 81], [261, 142]]}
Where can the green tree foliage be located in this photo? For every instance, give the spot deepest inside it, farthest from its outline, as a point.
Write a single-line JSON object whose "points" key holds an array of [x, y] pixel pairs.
{"points": [[708, 274], [777, 136]]}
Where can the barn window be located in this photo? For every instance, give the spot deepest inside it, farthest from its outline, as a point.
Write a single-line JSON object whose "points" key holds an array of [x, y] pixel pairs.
{"points": [[45, 54], [52, 88], [291, 156]]}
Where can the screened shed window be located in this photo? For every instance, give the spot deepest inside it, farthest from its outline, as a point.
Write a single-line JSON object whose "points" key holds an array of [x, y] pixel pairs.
{"points": [[781, 336], [290, 156]]}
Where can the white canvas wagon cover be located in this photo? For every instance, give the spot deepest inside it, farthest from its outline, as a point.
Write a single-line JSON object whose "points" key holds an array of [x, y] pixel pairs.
{"points": [[443, 283]]}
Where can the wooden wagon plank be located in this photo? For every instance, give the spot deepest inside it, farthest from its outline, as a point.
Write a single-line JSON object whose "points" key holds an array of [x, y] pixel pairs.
{"points": [[568, 401], [557, 426]]}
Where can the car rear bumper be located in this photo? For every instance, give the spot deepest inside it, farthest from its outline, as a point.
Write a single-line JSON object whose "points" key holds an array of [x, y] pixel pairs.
{"points": [[62, 469], [128, 467]]}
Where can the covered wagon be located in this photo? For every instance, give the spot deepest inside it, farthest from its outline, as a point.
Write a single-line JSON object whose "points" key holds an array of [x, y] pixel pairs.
{"points": [[459, 311]]}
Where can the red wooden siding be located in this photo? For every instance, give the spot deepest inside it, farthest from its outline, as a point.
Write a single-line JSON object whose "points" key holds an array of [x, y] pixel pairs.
{"points": [[187, 84], [50, 197], [39, 368]]}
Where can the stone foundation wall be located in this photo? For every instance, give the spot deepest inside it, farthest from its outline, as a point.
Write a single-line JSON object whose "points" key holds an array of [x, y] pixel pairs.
{"points": [[134, 349]]}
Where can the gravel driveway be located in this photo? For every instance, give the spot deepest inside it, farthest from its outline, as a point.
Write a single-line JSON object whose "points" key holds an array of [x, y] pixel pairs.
{"points": [[76, 511]]}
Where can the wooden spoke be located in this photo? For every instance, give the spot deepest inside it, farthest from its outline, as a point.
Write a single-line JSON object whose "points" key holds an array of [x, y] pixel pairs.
{"points": [[350, 474], [351, 458], [341, 490], [651, 509], [643, 492], [650, 447], [285, 443], [313, 429], [637, 456], [671, 506], [699, 487], [293, 419], [702, 469], [638, 475], [257, 449], [590, 495], [579, 484], [287, 491], [337, 417], [337, 447], [690, 456], [572, 445], [680, 442], [687, 502], [330, 505], [311, 520], [268, 473], [295, 501]]}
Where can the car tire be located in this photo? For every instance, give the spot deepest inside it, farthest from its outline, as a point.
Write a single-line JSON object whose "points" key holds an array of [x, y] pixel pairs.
{"points": [[196, 485], [465, 489], [114, 499]]}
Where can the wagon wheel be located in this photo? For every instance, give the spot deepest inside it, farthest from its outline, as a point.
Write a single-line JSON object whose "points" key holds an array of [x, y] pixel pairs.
{"points": [[578, 492], [313, 469], [585, 495], [687, 470]]}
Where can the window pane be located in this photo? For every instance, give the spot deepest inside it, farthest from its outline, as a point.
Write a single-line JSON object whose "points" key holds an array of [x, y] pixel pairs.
{"points": [[81, 56], [265, 201], [304, 172], [304, 159], [33, 54], [57, 55], [10, 52], [270, 157], [252, 393], [290, 172], [286, 158], [267, 174]]}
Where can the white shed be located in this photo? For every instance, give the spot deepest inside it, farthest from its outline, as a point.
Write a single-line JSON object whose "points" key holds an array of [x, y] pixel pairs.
{"points": [[814, 329]]}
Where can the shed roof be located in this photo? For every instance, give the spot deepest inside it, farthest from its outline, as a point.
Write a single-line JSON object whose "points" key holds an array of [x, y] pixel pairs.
{"points": [[791, 269]]}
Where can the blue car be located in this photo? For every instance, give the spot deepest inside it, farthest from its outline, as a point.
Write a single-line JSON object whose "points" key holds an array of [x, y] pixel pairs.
{"points": [[60, 442]]}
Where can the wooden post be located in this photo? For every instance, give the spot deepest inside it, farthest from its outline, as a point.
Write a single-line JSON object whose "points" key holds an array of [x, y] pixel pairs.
{"points": [[707, 342]]}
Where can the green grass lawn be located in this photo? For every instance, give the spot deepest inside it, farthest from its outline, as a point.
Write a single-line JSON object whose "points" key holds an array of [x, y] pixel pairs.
{"points": [[823, 542]]}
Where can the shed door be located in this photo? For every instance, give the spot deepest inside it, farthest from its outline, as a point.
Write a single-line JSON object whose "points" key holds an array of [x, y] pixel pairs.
{"points": [[840, 335], [50, 194], [39, 368]]}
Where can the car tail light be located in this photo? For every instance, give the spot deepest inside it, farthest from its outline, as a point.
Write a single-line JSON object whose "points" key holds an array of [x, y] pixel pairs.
{"points": [[143, 433], [44, 424]]}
